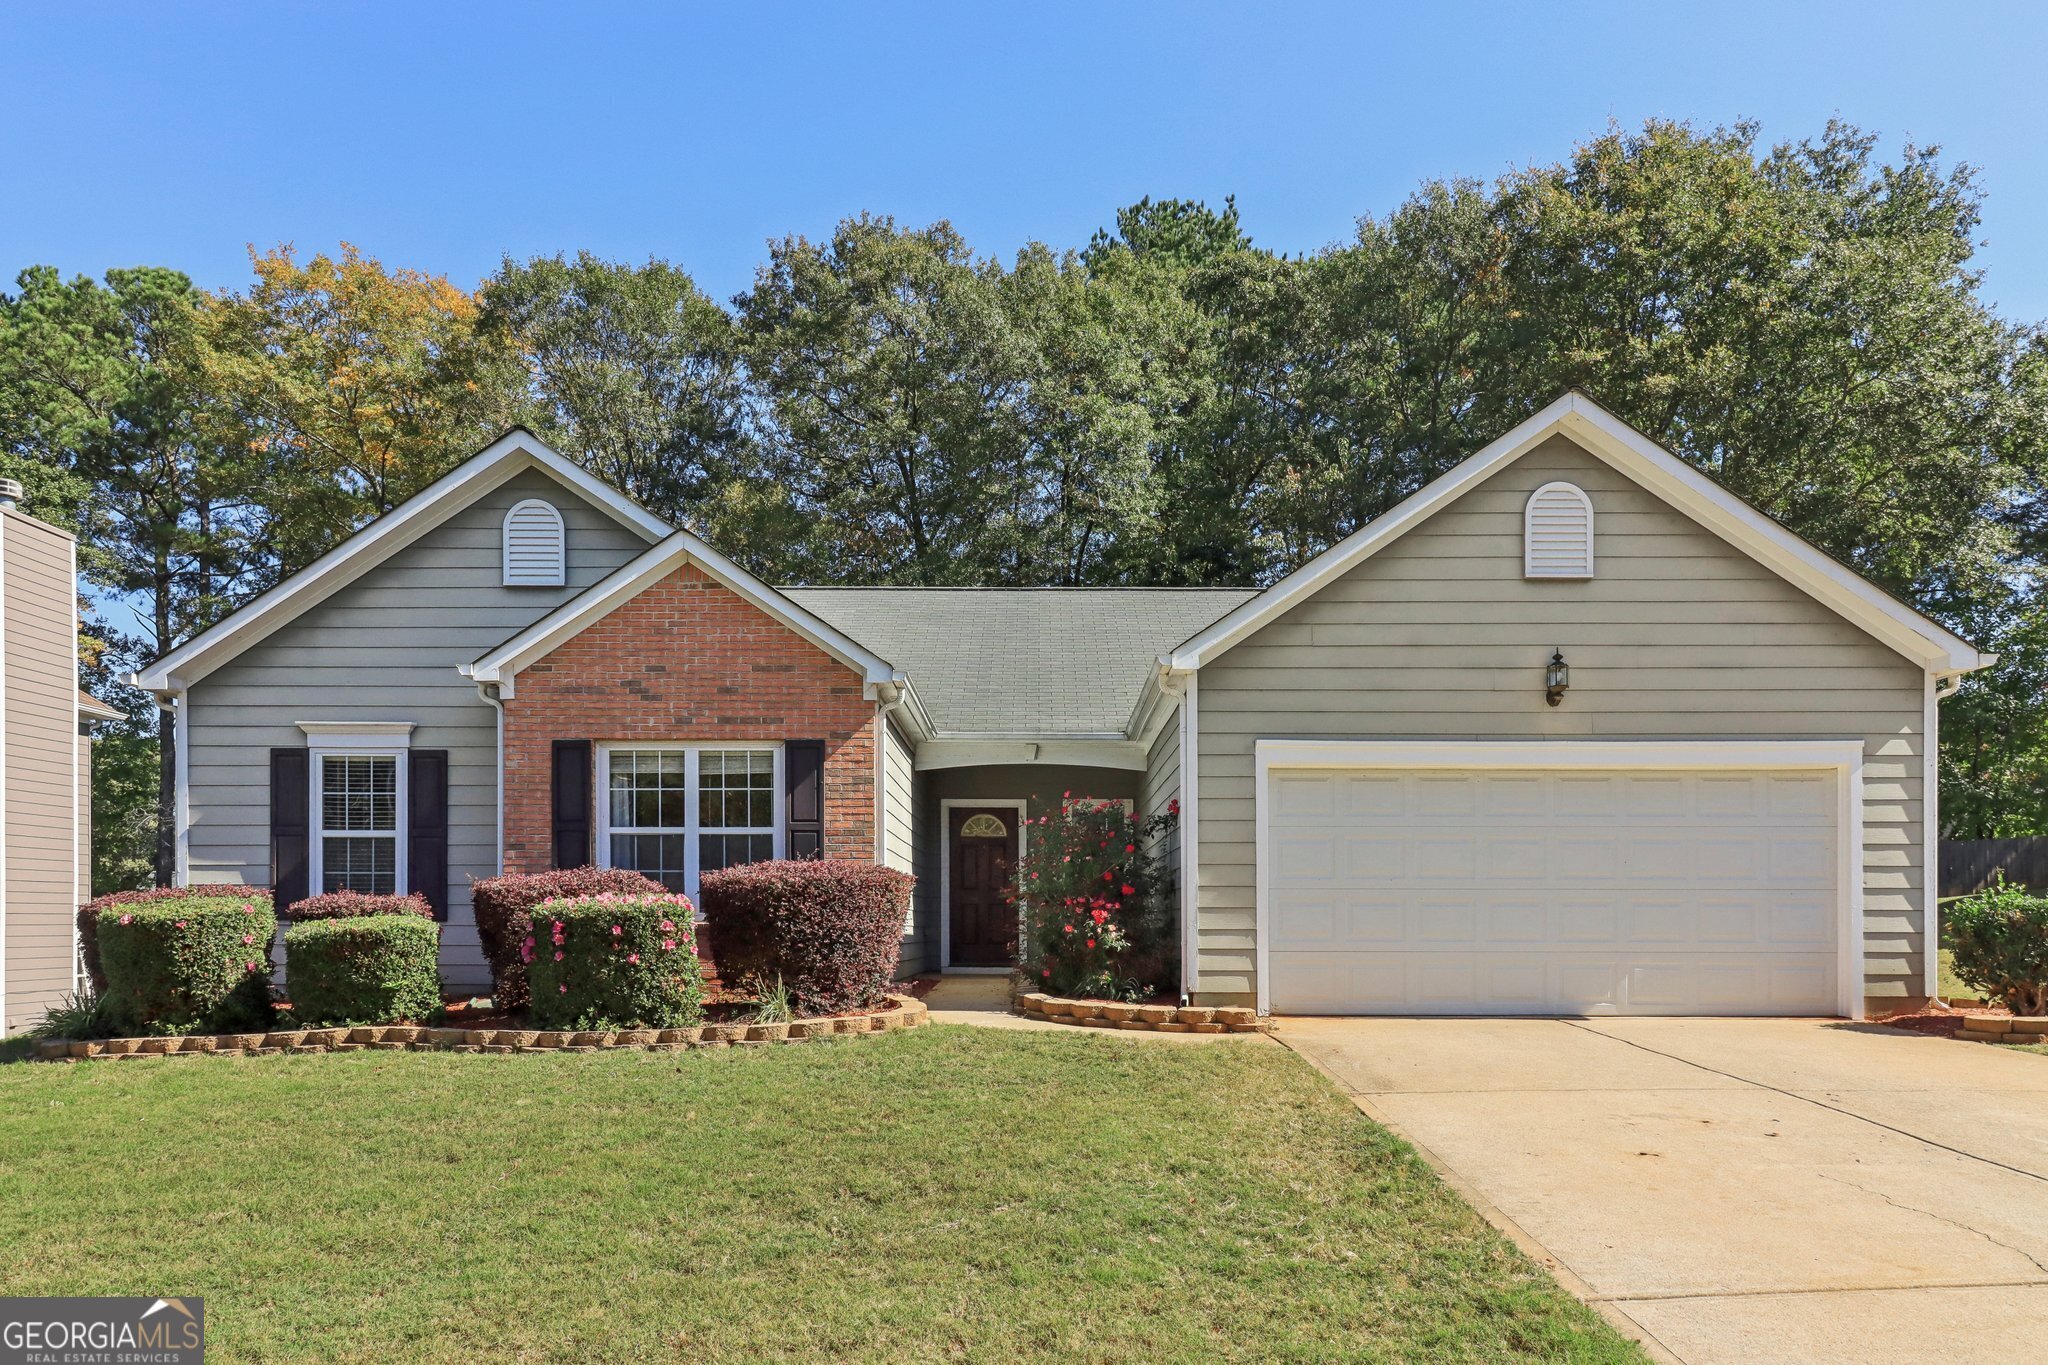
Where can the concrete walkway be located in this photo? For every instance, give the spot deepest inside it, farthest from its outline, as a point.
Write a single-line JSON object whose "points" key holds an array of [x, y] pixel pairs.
{"points": [[1737, 1189]]}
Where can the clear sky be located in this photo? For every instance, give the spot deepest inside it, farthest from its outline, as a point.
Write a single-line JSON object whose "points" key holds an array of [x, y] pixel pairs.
{"points": [[443, 136]]}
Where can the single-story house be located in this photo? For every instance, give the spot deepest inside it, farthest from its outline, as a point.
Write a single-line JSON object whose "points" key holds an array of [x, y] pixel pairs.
{"points": [[1571, 730], [45, 766]]}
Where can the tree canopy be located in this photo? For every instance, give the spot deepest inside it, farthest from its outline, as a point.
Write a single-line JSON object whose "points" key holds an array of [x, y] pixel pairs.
{"points": [[1170, 403]]}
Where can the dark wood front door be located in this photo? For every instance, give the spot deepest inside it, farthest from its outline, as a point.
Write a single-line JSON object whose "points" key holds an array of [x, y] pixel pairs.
{"points": [[982, 856]]}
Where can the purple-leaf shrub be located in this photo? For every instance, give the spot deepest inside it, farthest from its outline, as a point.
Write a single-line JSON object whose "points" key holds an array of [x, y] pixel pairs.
{"points": [[830, 929]]}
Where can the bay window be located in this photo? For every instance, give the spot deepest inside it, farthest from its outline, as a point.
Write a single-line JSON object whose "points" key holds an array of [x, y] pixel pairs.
{"points": [[674, 811]]}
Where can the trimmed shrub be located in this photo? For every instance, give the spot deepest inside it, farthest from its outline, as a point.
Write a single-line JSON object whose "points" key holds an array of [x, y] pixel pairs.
{"points": [[363, 969], [504, 906], [89, 915], [2000, 936], [191, 963], [829, 928], [614, 961], [356, 905]]}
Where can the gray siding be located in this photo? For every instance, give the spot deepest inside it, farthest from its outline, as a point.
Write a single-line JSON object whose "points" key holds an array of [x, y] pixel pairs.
{"points": [[900, 838], [1162, 785], [39, 857], [386, 647], [1680, 636]]}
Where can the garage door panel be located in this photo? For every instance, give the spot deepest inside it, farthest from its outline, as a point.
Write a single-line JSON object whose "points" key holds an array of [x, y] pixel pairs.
{"points": [[1553, 892]]}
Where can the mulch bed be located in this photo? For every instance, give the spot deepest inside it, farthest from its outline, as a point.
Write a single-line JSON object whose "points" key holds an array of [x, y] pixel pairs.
{"points": [[1946, 1023]]}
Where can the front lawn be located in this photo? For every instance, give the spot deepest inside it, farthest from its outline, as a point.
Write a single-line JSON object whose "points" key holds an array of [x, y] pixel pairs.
{"points": [[942, 1193]]}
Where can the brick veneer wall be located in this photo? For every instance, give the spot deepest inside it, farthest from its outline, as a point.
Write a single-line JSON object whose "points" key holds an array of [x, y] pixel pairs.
{"points": [[688, 659]]}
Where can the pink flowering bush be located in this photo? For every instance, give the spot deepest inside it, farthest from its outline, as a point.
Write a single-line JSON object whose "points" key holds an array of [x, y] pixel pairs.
{"points": [[1098, 910], [613, 960], [356, 905], [828, 929], [89, 915], [187, 963], [504, 909]]}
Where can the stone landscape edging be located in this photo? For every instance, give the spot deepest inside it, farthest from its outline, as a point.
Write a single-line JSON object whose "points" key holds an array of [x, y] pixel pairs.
{"points": [[903, 1012], [2025, 1030], [1055, 1009]]}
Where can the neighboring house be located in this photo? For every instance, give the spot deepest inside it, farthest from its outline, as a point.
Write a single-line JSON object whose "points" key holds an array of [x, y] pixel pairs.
{"points": [[1572, 730], [45, 766]]}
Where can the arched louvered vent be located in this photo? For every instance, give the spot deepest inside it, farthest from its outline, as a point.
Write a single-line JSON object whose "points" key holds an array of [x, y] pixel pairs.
{"points": [[535, 553], [1557, 533]]}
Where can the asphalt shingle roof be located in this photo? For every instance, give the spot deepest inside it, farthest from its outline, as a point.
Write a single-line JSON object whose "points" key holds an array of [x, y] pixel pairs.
{"points": [[1023, 660]]}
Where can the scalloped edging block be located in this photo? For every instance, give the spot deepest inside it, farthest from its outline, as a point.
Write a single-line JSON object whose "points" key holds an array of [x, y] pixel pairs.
{"points": [[1202, 1019], [903, 1012]]}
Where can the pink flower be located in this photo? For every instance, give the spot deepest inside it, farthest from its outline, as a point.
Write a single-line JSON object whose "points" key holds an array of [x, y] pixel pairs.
{"points": [[668, 926], [127, 919], [252, 966], [633, 958], [668, 945], [616, 931], [562, 989], [248, 939], [181, 924], [1130, 890], [558, 954]]}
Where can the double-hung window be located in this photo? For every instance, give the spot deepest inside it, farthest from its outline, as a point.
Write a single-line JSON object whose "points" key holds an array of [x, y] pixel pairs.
{"points": [[358, 806], [675, 811]]}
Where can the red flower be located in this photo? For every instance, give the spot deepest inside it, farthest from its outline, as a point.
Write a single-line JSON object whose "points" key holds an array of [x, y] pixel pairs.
{"points": [[1130, 890]]}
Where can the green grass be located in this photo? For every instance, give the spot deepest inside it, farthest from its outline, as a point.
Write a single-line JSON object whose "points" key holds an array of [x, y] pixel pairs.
{"points": [[1952, 988], [944, 1193]]}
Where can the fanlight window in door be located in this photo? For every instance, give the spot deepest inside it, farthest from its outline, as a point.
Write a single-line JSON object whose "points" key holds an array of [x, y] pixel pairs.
{"points": [[983, 827]]}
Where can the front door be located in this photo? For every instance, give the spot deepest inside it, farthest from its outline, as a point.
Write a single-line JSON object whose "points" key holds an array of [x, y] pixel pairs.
{"points": [[982, 857]]}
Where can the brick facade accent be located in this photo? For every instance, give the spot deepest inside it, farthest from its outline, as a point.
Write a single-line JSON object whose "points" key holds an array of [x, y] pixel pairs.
{"points": [[688, 659]]}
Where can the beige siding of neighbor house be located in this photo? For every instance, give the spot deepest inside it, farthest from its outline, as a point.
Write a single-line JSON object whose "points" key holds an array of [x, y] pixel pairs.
{"points": [[386, 647], [1680, 636], [39, 859]]}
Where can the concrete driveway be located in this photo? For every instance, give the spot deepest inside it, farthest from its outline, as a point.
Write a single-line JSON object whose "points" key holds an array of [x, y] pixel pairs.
{"points": [[1737, 1189]]}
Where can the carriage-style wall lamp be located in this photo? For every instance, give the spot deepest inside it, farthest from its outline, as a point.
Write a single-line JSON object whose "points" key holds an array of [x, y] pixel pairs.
{"points": [[1556, 678]]}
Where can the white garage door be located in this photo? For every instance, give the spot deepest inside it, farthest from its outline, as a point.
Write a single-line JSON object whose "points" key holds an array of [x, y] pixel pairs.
{"points": [[1551, 892]]}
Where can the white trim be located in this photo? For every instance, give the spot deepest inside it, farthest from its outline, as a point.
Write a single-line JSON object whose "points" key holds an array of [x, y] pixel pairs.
{"points": [[1843, 757], [1582, 568], [181, 784], [1190, 836], [1636, 456], [692, 751], [381, 736], [551, 574], [502, 664], [1095, 752], [338, 746], [1930, 838], [513, 453], [947, 805]]}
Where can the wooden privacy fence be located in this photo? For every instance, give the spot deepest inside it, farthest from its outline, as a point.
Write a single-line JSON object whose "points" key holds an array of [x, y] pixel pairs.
{"points": [[1972, 864]]}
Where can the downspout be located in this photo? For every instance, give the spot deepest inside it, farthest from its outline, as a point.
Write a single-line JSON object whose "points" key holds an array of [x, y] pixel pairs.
{"points": [[492, 695], [1939, 687]]}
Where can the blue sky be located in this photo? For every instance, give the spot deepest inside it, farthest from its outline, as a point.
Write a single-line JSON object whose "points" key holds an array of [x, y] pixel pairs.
{"points": [[443, 136]]}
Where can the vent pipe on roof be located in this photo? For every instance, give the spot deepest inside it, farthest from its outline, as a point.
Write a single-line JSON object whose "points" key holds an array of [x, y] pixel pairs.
{"points": [[10, 493]]}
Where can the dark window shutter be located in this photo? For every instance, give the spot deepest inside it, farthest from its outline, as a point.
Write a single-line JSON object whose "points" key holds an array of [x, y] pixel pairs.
{"points": [[803, 776], [572, 802], [426, 827], [289, 825]]}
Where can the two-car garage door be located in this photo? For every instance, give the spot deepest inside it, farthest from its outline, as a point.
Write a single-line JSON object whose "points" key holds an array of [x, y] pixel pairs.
{"points": [[1541, 891]]}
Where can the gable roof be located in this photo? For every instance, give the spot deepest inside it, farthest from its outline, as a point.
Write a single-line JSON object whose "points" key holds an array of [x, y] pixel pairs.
{"points": [[999, 662], [514, 452], [1608, 438], [502, 665]]}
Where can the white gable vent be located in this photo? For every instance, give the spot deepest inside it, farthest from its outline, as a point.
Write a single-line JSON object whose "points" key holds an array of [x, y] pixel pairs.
{"points": [[1557, 533], [535, 556]]}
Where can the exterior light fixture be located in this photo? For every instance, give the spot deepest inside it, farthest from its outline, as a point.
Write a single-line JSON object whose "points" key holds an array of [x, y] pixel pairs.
{"points": [[1556, 678]]}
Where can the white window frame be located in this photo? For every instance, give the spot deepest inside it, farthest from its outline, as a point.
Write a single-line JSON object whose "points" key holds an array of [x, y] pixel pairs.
{"points": [[692, 829], [355, 739]]}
